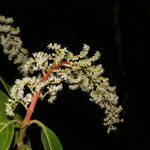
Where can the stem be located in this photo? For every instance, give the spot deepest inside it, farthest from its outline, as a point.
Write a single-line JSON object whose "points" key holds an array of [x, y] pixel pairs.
{"points": [[31, 108], [22, 132], [37, 94], [53, 69]]}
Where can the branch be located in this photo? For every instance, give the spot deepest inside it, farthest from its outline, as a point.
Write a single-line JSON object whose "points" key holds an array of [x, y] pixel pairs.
{"points": [[36, 95]]}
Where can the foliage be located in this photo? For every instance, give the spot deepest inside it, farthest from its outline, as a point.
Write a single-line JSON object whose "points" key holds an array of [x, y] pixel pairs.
{"points": [[9, 134]]}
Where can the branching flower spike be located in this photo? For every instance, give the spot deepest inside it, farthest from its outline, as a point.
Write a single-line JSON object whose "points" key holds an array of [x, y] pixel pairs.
{"points": [[11, 43], [45, 74]]}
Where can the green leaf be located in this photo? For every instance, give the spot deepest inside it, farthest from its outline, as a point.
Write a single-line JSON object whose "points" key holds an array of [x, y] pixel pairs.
{"points": [[14, 141], [25, 147], [6, 134], [3, 100], [49, 139], [6, 86]]}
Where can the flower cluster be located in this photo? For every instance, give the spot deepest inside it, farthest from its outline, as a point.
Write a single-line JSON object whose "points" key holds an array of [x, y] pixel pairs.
{"points": [[11, 43], [44, 73], [39, 62], [23, 90], [18, 95], [80, 73]]}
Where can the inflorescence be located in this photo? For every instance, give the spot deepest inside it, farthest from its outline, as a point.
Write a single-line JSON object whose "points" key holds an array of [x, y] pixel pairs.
{"points": [[79, 72]]}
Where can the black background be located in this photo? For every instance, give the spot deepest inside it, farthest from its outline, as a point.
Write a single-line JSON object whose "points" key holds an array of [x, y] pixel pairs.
{"points": [[124, 45]]}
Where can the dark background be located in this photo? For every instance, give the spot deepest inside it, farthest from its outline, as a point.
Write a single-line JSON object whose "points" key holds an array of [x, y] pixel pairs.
{"points": [[120, 30]]}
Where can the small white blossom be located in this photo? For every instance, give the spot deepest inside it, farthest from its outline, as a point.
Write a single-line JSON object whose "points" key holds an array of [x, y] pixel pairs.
{"points": [[39, 62], [78, 72], [5, 20], [52, 98], [54, 88], [17, 93], [9, 110], [73, 87], [27, 99], [11, 43]]}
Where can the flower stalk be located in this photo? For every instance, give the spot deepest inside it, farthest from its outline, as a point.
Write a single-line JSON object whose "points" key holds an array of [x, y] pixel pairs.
{"points": [[33, 103], [37, 94], [31, 108]]}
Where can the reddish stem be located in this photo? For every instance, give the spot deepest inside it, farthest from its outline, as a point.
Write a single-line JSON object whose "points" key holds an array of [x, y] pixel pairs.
{"points": [[31, 108], [53, 69], [37, 94]]}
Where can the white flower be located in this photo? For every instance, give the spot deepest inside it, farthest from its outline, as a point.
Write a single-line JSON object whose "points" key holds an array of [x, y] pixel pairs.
{"points": [[17, 93], [3, 19], [54, 88], [10, 107], [80, 73], [39, 62], [27, 99], [11, 43], [73, 87], [54, 46], [9, 110], [52, 98]]}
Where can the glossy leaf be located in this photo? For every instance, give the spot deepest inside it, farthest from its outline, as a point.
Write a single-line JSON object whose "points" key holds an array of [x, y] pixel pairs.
{"points": [[49, 139], [14, 141], [3, 100], [6, 86], [6, 134], [25, 147]]}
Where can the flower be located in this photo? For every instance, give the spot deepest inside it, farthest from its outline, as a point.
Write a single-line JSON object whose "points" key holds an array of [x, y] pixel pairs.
{"points": [[5, 20], [11, 43], [43, 73]]}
